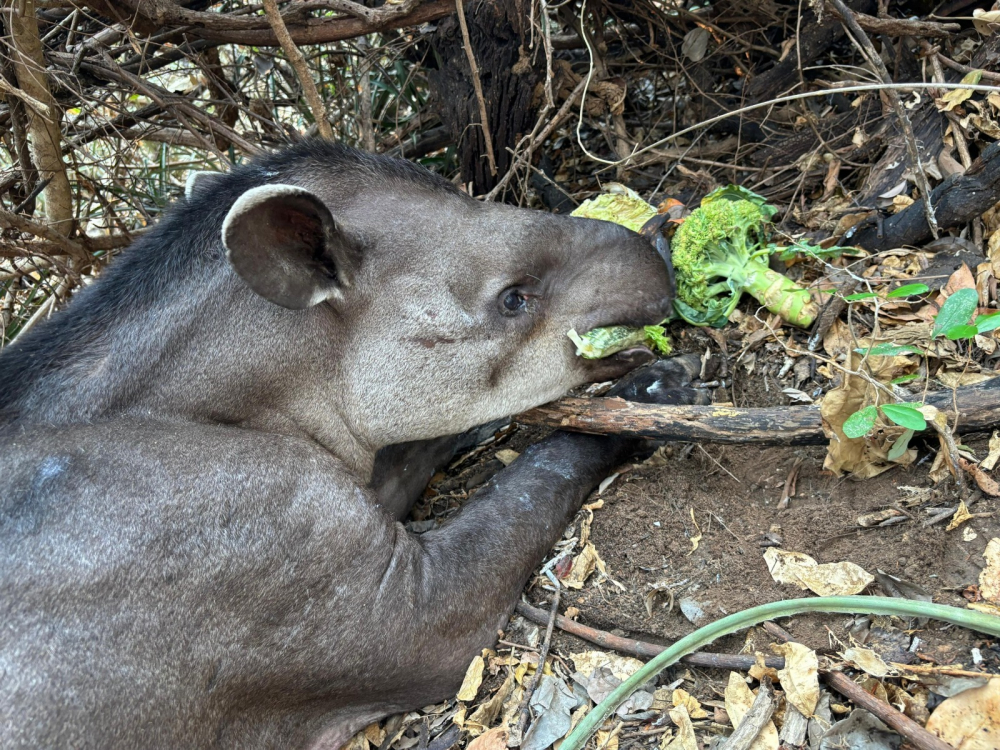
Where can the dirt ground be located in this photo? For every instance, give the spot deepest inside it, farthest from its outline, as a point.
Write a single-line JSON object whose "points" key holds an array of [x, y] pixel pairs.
{"points": [[729, 499]]}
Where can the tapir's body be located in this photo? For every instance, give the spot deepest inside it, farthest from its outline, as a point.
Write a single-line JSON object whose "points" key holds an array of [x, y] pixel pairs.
{"points": [[192, 550]]}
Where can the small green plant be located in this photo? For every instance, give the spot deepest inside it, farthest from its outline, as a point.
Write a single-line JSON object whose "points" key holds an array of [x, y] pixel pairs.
{"points": [[952, 322]]}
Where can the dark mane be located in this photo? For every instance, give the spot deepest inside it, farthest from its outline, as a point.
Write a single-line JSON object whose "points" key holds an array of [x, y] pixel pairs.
{"points": [[185, 243]]}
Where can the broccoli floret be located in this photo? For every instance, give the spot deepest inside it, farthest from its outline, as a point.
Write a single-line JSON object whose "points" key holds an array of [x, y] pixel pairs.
{"points": [[720, 251]]}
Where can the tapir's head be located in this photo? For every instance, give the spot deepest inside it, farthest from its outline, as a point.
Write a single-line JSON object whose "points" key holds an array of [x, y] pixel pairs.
{"points": [[432, 312]]}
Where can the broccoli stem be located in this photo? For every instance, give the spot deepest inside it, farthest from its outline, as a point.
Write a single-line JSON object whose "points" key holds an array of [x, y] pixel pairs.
{"points": [[780, 295]]}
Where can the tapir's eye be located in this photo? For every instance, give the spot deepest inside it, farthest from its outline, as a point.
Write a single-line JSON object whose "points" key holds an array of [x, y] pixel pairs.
{"points": [[514, 301]]}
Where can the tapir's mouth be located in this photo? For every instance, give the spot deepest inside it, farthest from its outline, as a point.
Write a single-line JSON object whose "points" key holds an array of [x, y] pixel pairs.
{"points": [[613, 367]]}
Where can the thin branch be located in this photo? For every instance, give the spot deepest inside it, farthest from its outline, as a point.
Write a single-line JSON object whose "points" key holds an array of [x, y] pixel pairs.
{"points": [[298, 63], [478, 86]]}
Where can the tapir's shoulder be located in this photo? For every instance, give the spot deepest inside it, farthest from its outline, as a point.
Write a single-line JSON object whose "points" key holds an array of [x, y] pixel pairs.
{"points": [[149, 464]]}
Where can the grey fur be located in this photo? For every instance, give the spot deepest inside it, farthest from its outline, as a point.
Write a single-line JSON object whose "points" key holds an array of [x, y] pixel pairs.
{"points": [[193, 549]]}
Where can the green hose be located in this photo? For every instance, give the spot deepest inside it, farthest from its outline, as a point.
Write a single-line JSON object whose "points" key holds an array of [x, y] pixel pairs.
{"points": [[872, 605]]}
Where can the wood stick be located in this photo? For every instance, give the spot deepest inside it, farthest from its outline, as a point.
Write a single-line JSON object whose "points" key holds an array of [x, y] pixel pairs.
{"points": [[958, 199], [643, 649], [761, 711], [301, 68], [978, 409]]}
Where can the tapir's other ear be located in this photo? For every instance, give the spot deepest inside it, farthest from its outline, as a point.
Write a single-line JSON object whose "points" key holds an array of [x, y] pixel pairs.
{"points": [[199, 180], [284, 243]]}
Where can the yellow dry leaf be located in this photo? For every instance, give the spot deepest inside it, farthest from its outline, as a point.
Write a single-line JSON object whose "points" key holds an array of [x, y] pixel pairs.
{"points": [[956, 378], [506, 456], [621, 667], [971, 719], [739, 698], [458, 718], [583, 565], [985, 21], [961, 516], [488, 711], [607, 740], [800, 676], [374, 734], [473, 679], [994, 455], [760, 670], [989, 578], [954, 97], [829, 579], [688, 701], [684, 739], [696, 539], [867, 660], [989, 609], [901, 202], [357, 742], [491, 739]]}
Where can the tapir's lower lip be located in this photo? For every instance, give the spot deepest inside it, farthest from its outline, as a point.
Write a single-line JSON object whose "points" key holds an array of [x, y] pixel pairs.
{"points": [[613, 367]]}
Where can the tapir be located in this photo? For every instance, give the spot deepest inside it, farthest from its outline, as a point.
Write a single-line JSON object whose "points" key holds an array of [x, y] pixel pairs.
{"points": [[206, 457]]}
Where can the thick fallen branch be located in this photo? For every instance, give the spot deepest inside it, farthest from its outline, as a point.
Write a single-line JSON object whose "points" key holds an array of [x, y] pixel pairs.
{"points": [[957, 200], [230, 28], [978, 409]]}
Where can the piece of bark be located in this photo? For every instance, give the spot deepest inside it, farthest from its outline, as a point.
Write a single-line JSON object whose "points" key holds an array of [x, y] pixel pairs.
{"points": [[978, 409], [958, 199], [755, 719]]}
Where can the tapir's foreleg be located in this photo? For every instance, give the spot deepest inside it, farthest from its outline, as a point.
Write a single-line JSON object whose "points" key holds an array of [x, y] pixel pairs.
{"points": [[443, 595]]}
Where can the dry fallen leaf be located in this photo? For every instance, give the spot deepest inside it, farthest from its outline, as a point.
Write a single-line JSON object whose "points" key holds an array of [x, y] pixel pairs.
{"points": [[739, 698], [971, 719], [986, 483], [993, 456], [473, 679], [583, 565], [867, 660], [696, 539], [683, 698], [488, 711], [491, 739], [506, 456], [800, 677], [622, 667], [961, 516], [684, 739], [829, 579], [989, 578]]}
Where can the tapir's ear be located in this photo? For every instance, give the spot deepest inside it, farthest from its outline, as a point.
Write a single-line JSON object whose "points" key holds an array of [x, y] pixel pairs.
{"points": [[198, 181], [284, 243]]}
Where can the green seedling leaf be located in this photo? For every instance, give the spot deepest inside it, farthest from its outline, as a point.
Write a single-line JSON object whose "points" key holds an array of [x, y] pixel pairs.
{"points": [[905, 378], [860, 295], [660, 342], [909, 290], [905, 415], [889, 349], [899, 447], [860, 422], [961, 332], [956, 311], [989, 322]]}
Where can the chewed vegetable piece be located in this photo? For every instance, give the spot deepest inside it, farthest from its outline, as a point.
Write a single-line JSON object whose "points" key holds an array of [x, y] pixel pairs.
{"points": [[603, 342], [620, 205]]}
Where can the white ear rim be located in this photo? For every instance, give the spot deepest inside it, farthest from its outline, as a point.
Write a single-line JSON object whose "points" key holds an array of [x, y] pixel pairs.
{"points": [[259, 195], [194, 177]]}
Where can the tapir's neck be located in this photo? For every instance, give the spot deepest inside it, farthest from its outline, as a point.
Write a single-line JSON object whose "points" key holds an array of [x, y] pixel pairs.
{"points": [[209, 351]]}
